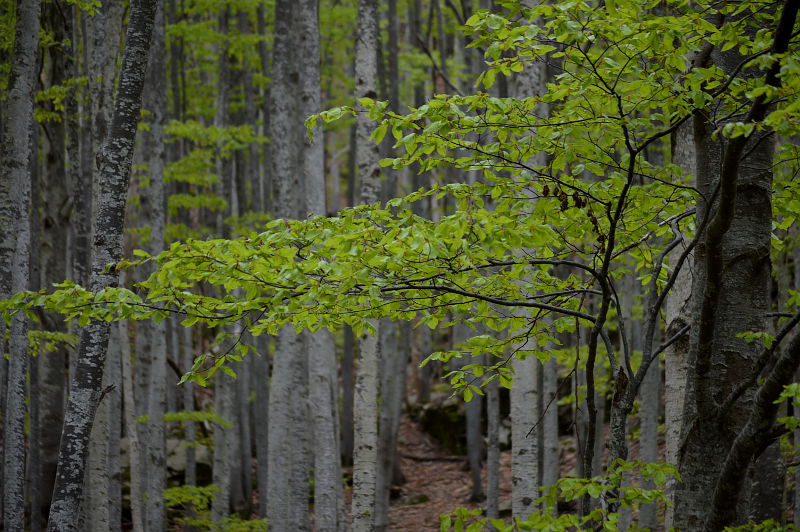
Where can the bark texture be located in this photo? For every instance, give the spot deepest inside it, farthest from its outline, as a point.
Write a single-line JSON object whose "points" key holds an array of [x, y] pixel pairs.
{"points": [[732, 272], [115, 159], [365, 405], [15, 191]]}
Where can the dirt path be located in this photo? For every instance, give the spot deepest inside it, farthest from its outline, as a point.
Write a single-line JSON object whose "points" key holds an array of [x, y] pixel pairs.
{"points": [[435, 482]]}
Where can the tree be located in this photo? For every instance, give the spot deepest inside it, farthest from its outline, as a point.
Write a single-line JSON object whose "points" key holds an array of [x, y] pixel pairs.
{"points": [[15, 201], [115, 158], [570, 210]]}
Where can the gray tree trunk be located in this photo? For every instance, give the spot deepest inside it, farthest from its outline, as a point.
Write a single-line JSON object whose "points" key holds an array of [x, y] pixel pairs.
{"points": [[260, 412], [524, 448], [224, 387], [732, 276], [288, 451], [323, 381], [677, 309], [151, 336], [56, 227], [393, 380], [493, 450], [551, 458], [115, 159], [131, 429], [365, 406], [15, 190], [102, 40]]}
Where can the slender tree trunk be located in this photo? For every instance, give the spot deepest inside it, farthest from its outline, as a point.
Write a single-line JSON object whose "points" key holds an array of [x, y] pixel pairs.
{"points": [[115, 159], [56, 226], [152, 336], [15, 191], [347, 396], [323, 383], [551, 463], [223, 405], [493, 451], [365, 411], [677, 307], [261, 409], [131, 429], [524, 449]]}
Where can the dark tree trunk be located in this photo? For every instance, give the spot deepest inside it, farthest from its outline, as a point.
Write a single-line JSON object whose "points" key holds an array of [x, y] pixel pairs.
{"points": [[115, 158], [15, 189]]}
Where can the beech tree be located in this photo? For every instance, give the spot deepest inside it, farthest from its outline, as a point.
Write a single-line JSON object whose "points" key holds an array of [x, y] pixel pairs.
{"points": [[15, 201], [115, 158], [617, 189]]}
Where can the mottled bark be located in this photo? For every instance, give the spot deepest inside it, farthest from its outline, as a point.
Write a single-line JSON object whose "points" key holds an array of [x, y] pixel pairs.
{"points": [[524, 448], [55, 226], [15, 191], [115, 159], [551, 463], [322, 377], [365, 410]]}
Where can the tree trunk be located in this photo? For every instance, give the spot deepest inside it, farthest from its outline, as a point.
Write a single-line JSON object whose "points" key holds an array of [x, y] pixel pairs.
{"points": [[524, 449], [15, 190], [152, 336], [56, 226], [115, 159], [289, 446], [493, 450], [676, 365], [365, 411], [322, 378], [131, 429], [732, 272], [261, 409], [224, 387]]}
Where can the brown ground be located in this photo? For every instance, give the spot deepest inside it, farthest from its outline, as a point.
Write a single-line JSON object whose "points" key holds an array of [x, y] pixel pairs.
{"points": [[436, 478]]}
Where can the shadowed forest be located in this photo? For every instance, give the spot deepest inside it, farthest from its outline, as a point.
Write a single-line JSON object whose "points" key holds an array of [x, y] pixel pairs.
{"points": [[372, 265]]}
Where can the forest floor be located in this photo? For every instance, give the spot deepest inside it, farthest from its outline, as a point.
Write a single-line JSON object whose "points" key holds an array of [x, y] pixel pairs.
{"points": [[436, 482]]}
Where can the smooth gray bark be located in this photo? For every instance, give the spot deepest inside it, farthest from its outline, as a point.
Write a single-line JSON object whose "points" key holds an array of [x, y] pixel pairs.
{"points": [[15, 190], [677, 307], [115, 159], [289, 460], [493, 450], [224, 387], [732, 272], [260, 412], [131, 429], [393, 378], [524, 448], [551, 459], [322, 377], [365, 409], [151, 335]]}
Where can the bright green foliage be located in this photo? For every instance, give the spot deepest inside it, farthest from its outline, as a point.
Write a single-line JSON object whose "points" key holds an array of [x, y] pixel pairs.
{"points": [[540, 236], [198, 499], [608, 486], [44, 342]]}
